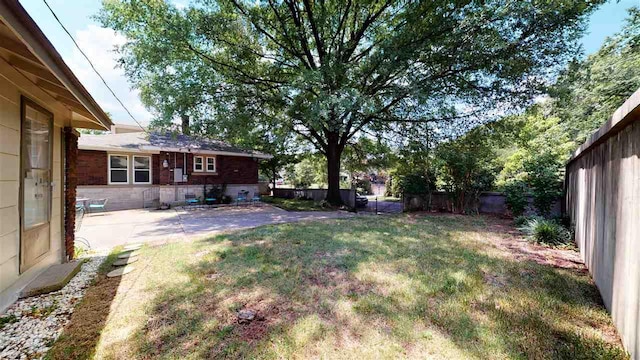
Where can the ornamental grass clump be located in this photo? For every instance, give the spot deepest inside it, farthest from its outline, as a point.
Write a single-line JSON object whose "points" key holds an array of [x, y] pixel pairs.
{"points": [[545, 231]]}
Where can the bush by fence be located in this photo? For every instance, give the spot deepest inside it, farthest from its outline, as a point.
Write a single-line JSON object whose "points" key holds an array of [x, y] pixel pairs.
{"points": [[488, 203]]}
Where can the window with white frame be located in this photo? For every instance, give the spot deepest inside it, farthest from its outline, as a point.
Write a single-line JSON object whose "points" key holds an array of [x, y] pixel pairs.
{"points": [[118, 169], [211, 164], [198, 163], [142, 169]]}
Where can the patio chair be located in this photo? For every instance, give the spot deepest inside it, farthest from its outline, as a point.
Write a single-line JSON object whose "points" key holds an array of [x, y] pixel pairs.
{"points": [[191, 199], [256, 198], [97, 205], [242, 197], [209, 195], [79, 208], [79, 217]]}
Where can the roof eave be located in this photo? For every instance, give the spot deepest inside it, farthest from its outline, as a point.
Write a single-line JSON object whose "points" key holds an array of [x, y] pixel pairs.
{"points": [[156, 150], [209, 152], [17, 18]]}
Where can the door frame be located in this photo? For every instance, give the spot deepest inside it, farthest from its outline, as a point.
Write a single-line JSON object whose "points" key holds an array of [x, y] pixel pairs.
{"points": [[24, 102]]}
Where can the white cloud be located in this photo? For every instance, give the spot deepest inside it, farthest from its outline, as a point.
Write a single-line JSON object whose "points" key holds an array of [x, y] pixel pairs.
{"points": [[99, 44]]}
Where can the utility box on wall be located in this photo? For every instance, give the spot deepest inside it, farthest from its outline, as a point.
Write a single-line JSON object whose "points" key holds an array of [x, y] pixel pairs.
{"points": [[178, 177]]}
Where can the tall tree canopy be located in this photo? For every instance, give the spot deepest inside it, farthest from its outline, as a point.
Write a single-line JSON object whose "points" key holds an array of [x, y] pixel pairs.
{"points": [[590, 90], [332, 71]]}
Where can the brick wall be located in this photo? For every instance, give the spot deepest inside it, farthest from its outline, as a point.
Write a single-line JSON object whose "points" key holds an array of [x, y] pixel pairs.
{"points": [[229, 169], [155, 166], [92, 167], [70, 182]]}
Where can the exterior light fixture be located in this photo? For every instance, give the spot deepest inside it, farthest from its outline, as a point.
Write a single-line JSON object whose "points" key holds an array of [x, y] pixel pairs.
{"points": [[165, 163]]}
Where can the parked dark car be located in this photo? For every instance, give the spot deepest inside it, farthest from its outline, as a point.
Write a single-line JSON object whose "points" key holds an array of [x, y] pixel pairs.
{"points": [[361, 201]]}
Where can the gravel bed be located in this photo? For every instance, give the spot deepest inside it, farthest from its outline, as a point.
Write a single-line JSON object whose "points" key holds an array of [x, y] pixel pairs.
{"points": [[36, 322]]}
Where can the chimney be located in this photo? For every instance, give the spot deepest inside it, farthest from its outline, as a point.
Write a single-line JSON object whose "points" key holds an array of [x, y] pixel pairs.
{"points": [[185, 125]]}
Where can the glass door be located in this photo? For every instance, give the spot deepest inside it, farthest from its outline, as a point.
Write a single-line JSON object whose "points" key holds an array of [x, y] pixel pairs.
{"points": [[35, 188]]}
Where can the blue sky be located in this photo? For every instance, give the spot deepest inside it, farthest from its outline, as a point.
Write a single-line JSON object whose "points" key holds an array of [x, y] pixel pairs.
{"points": [[98, 43]]}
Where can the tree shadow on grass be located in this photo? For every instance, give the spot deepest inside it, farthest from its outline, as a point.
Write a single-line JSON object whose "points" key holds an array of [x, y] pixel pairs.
{"points": [[372, 288]]}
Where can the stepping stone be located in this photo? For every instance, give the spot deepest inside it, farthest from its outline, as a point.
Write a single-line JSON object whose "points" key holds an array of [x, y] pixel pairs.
{"points": [[128, 254], [122, 262], [133, 247], [52, 279], [120, 271]]}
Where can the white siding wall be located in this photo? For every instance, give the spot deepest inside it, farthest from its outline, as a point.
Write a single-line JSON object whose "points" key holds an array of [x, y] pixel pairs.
{"points": [[9, 175]]}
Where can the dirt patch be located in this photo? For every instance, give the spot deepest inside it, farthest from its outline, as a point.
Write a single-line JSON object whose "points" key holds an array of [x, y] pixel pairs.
{"points": [[505, 237], [496, 281], [89, 318], [523, 250], [267, 316], [269, 312]]}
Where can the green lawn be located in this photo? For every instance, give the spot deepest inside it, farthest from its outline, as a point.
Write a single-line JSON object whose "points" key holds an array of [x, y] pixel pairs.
{"points": [[368, 287], [296, 204]]}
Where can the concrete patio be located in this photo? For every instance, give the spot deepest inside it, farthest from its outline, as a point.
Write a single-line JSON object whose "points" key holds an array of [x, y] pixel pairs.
{"points": [[109, 229]]}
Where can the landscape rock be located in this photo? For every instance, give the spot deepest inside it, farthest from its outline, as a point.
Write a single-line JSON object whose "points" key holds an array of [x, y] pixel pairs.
{"points": [[246, 316], [39, 320]]}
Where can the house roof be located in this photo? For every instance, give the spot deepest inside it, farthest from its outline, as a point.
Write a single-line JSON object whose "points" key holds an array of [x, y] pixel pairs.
{"points": [[24, 47], [154, 143]]}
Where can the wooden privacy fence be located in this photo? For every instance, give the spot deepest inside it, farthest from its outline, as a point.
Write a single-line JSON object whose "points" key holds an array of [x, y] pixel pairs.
{"points": [[488, 203], [603, 202], [348, 195]]}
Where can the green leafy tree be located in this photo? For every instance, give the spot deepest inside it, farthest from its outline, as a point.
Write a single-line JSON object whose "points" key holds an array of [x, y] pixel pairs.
{"points": [[544, 177], [366, 155], [301, 175], [330, 71], [414, 170], [516, 197], [590, 90], [466, 168]]}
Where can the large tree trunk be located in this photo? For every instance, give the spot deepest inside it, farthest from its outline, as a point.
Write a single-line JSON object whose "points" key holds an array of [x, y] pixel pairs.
{"points": [[334, 153]]}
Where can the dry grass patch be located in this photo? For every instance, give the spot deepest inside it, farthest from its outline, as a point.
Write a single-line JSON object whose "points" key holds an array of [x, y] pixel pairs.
{"points": [[371, 287]]}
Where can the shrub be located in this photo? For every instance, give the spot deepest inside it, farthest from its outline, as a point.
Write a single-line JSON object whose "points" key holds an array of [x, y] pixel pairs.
{"points": [[78, 251], [546, 232], [545, 180], [412, 183], [516, 197]]}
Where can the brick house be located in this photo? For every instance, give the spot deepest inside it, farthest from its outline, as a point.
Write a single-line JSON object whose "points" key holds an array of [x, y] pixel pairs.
{"points": [[134, 169], [42, 103]]}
